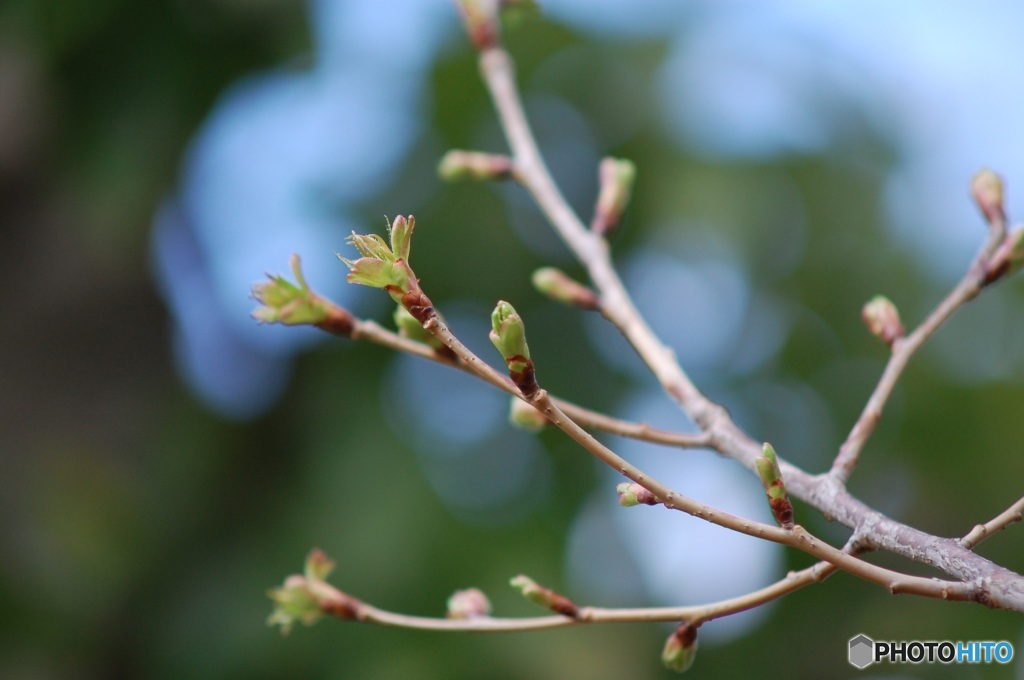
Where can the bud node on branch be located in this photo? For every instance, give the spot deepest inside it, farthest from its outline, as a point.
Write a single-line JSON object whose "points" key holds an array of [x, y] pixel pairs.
{"points": [[385, 264]]}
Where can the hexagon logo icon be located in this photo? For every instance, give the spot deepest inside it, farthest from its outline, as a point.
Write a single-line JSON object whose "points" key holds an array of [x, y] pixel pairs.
{"points": [[862, 651]]}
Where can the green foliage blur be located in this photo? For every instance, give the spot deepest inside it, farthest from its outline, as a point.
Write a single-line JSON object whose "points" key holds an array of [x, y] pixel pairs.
{"points": [[139, 532]]}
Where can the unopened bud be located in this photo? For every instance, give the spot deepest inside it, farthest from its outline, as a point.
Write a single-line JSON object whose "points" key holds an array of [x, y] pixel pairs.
{"points": [[558, 286], [882, 319], [508, 335], [545, 597], [318, 565], [631, 493], [459, 165], [616, 176], [681, 648], [468, 604], [481, 20], [771, 477], [401, 236], [987, 190], [524, 416]]}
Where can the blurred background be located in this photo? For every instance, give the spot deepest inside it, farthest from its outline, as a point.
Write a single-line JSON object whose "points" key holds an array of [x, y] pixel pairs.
{"points": [[164, 460]]}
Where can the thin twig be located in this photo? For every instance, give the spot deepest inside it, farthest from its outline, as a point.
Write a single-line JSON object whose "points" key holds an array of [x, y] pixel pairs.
{"points": [[370, 331], [797, 537], [624, 428], [1002, 587], [587, 615], [591, 250], [981, 532], [903, 349]]}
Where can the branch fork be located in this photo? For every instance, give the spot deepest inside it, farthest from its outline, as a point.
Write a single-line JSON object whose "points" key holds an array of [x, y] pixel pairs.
{"points": [[423, 332]]}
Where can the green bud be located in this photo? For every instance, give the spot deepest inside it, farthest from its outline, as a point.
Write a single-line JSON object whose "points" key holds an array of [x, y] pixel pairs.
{"points": [[481, 20], [508, 334], [379, 267], [305, 598], [529, 589], [987, 190], [616, 176], [293, 602], [545, 597], [631, 493], [767, 472], [680, 649], [468, 604], [882, 319], [558, 286], [318, 565], [524, 416], [460, 165], [771, 477], [401, 236], [284, 302], [275, 294]]}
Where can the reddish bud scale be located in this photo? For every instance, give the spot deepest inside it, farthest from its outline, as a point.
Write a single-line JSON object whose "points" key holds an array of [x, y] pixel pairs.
{"points": [[481, 19], [685, 634], [344, 607], [1007, 257], [646, 497], [774, 487], [484, 35], [419, 305], [782, 510], [545, 597], [526, 377], [681, 648], [631, 493], [560, 604], [338, 322], [995, 271]]}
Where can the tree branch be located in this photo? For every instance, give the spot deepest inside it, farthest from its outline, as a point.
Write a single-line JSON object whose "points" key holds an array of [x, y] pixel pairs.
{"points": [[343, 323], [998, 587], [903, 349], [797, 537], [982, 532], [695, 614]]}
